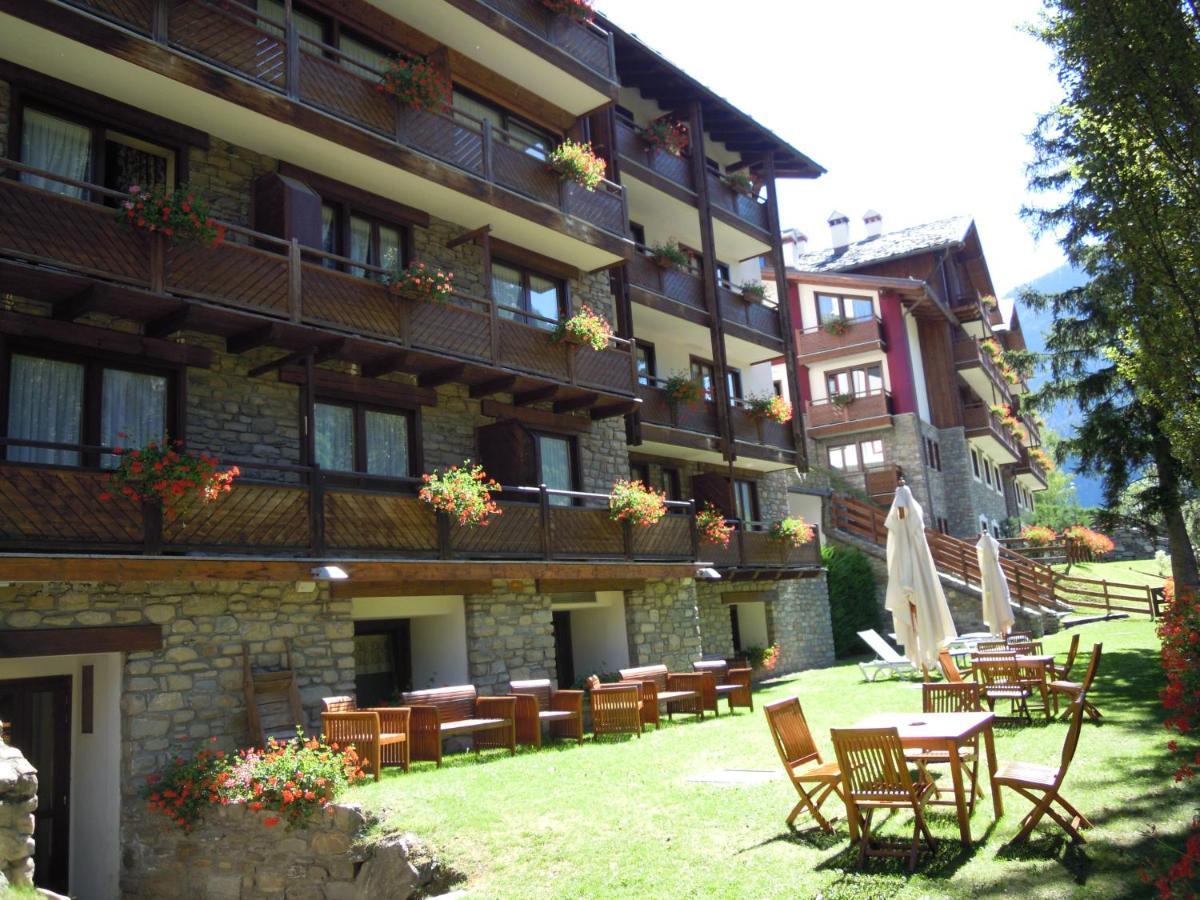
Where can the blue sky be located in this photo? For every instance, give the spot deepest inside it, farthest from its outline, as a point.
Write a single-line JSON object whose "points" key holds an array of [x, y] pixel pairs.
{"points": [[919, 110]]}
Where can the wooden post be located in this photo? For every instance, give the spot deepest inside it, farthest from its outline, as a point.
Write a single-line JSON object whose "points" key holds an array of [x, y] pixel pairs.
{"points": [[544, 519], [489, 172], [292, 50], [627, 538], [443, 535], [316, 510], [693, 531], [295, 294], [1107, 601], [158, 262], [152, 524], [158, 22]]}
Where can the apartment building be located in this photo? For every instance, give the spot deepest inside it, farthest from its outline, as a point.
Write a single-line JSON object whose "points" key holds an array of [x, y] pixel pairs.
{"points": [[283, 350], [900, 350]]}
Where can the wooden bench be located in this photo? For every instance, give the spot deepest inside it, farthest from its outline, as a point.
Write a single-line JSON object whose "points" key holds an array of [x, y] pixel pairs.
{"points": [[439, 713], [538, 701], [678, 691], [616, 708], [379, 735], [725, 680]]}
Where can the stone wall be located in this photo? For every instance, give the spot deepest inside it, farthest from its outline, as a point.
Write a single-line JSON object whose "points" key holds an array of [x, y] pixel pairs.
{"points": [[509, 636], [18, 800], [663, 624], [224, 174]]}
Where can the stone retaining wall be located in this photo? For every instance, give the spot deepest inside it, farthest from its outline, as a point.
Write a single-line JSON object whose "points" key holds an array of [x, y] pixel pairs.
{"points": [[18, 800]]}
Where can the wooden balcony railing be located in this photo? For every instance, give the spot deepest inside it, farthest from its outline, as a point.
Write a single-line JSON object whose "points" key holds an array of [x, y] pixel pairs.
{"points": [[968, 354], [819, 342], [750, 314], [751, 210], [751, 547], [980, 422], [584, 41], [864, 408], [268, 276], [754, 429], [700, 416], [271, 52], [631, 147], [1028, 466]]}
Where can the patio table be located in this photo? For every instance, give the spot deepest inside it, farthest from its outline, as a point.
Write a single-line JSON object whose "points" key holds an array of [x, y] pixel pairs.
{"points": [[942, 731]]}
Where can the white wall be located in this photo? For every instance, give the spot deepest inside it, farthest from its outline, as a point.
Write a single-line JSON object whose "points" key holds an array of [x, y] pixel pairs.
{"points": [[808, 301], [817, 371], [95, 769], [598, 639], [752, 624], [757, 380], [807, 506], [438, 632], [918, 367]]}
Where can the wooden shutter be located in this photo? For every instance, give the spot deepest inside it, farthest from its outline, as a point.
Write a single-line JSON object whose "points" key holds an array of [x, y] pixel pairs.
{"points": [[709, 487], [287, 208], [506, 452]]}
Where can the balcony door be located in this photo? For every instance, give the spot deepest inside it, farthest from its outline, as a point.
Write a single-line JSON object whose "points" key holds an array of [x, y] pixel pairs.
{"points": [[858, 382], [556, 465], [832, 307]]}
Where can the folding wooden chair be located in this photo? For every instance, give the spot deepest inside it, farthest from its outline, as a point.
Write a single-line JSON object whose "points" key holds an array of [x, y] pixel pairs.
{"points": [[943, 698], [1005, 679], [1063, 672], [950, 670], [1042, 785], [1075, 689], [875, 776], [1025, 636], [797, 749]]}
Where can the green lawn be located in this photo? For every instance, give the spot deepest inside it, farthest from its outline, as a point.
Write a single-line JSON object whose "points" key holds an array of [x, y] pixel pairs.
{"points": [[1138, 571], [622, 818]]}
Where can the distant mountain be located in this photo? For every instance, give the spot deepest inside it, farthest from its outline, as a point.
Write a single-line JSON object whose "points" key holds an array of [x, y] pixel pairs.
{"points": [[1034, 325]]}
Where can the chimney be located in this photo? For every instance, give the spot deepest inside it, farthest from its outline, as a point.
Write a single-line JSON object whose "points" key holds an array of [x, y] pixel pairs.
{"points": [[839, 229], [795, 245], [874, 223]]}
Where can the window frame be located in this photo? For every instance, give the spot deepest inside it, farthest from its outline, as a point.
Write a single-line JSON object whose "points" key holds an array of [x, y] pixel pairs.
{"points": [[507, 118], [975, 467], [733, 385], [572, 456], [753, 498], [849, 372], [359, 409], [343, 211], [695, 362], [840, 303], [527, 272], [651, 376]]}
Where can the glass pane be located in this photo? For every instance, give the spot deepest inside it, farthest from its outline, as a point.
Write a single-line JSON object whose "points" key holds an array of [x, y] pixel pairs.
{"points": [[55, 145], [827, 307], [734, 385], [645, 364], [839, 383], [126, 164], [335, 437], [859, 377], [543, 300], [329, 234], [530, 142], [872, 452], [743, 495], [369, 55], [477, 109], [360, 243], [306, 25], [133, 403], [387, 444], [45, 404], [861, 308], [507, 289], [875, 379], [555, 455], [836, 460], [703, 373], [389, 248]]}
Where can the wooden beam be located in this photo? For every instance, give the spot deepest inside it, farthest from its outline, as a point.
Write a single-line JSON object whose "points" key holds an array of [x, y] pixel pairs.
{"points": [[65, 641], [71, 308], [385, 365], [318, 352], [535, 395], [583, 401], [354, 387], [42, 328], [469, 237], [165, 326], [609, 410], [493, 386], [251, 338], [350, 590], [767, 596], [539, 418], [569, 585], [443, 375]]}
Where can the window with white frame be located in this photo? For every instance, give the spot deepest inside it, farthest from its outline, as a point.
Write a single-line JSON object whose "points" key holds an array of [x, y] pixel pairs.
{"points": [[845, 457], [975, 465], [983, 523]]}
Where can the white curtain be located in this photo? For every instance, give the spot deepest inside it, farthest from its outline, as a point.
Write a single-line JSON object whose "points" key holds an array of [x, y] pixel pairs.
{"points": [[387, 444], [45, 404], [543, 300], [507, 289], [329, 239], [389, 248], [555, 454], [360, 243], [54, 145], [133, 403], [306, 25], [358, 52], [335, 437]]}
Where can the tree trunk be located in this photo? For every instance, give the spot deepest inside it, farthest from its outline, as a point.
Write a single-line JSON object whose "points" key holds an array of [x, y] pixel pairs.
{"points": [[1183, 556]]}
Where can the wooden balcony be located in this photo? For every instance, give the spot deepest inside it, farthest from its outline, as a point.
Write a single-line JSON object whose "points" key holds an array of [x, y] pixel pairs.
{"points": [[232, 35], [699, 417], [818, 343], [279, 280], [737, 208], [651, 164], [984, 426], [979, 370], [864, 413], [751, 549], [751, 429], [755, 436], [1029, 472], [584, 42]]}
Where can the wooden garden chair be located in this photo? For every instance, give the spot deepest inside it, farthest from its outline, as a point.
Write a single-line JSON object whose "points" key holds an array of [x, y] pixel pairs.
{"points": [[950, 670], [797, 750], [1042, 785], [733, 683], [1073, 689], [677, 691], [1019, 636], [538, 703], [1063, 672], [950, 698], [985, 646], [1005, 679], [875, 776], [616, 708], [380, 736]]}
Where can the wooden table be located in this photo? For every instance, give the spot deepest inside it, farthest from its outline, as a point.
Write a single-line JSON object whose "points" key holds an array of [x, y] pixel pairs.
{"points": [[949, 732]]}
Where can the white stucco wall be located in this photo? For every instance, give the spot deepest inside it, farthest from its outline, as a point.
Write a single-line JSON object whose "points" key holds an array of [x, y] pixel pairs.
{"points": [[808, 301], [817, 372], [438, 633], [918, 367], [598, 639], [752, 624]]}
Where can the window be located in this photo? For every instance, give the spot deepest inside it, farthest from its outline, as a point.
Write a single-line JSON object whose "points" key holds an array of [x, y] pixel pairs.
{"points": [[724, 276], [871, 452], [639, 472], [983, 524], [556, 465], [360, 238], [647, 367], [845, 457], [745, 500], [995, 529], [669, 484], [638, 233], [733, 383], [857, 456], [987, 471], [515, 131], [933, 454], [937, 455], [834, 306], [777, 387], [975, 465], [526, 296], [51, 399], [702, 374], [859, 381], [351, 437]]}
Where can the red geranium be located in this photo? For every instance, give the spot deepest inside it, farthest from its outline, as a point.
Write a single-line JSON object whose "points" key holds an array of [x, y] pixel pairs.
{"points": [[166, 473]]}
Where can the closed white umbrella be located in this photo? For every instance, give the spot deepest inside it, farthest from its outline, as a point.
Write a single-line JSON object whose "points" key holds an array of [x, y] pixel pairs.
{"points": [[997, 602], [914, 592]]}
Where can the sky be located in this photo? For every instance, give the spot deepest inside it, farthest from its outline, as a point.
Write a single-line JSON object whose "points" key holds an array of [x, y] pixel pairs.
{"points": [[918, 110]]}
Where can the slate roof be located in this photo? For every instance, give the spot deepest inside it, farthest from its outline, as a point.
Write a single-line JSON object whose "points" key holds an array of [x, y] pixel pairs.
{"points": [[905, 242]]}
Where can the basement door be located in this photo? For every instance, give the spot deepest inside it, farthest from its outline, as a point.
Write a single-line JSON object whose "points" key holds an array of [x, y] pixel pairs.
{"points": [[36, 713]]}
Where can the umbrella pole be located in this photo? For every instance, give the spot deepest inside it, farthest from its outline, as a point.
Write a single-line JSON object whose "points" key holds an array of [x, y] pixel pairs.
{"points": [[912, 613]]}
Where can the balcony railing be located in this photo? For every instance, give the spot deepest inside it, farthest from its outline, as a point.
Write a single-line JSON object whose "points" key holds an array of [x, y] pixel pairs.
{"points": [[980, 422], [751, 547], [268, 276], [751, 210], [969, 354], [235, 36], [631, 147], [863, 409], [700, 416], [821, 342], [584, 41], [1029, 467], [751, 428]]}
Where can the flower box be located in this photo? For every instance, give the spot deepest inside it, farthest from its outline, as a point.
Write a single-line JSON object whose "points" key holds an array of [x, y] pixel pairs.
{"points": [[772, 408], [577, 162], [162, 475], [791, 532], [415, 83], [579, 10], [669, 256], [682, 390], [585, 328], [181, 215], [462, 492], [667, 136], [711, 526], [633, 502], [421, 282]]}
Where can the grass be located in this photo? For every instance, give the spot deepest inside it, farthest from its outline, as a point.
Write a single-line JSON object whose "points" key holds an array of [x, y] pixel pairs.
{"points": [[1138, 571], [622, 818]]}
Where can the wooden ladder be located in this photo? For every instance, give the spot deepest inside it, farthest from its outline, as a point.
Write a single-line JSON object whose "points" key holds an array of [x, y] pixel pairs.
{"points": [[273, 707]]}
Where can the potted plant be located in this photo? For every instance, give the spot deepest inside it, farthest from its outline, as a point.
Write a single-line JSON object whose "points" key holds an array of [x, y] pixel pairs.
{"points": [[669, 256], [462, 492], [841, 401], [739, 182], [710, 523], [421, 282], [666, 135], [836, 325], [753, 291], [577, 162], [773, 408], [989, 303], [764, 658], [163, 474], [579, 10], [633, 502], [585, 327], [682, 389], [1042, 458], [180, 214], [415, 83], [791, 532], [991, 347]]}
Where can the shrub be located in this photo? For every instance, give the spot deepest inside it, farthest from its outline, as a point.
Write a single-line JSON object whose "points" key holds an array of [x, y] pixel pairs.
{"points": [[1096, 543], [836, 325], [763, 658], [669, 255], [465, 493], [631, 501], [853, 606], [422, 282], [577, 162], [181, 214], [792, 531], [666, 135], [710, 523], [771, 407], [586, 327], [1038, 535], [167, 474], [415, 83]]}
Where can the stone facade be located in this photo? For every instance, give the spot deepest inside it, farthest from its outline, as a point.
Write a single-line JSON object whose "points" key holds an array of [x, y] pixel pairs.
{"points": [[663, 624], [509, 636], [225, 173], [18, 800]]}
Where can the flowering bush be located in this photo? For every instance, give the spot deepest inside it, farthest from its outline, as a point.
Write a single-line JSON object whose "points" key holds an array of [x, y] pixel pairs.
{"points": [[415, 83], [740, 182], [754, 291], [1096, 543], [181, 214], [669, 256], [794, 532], [586, 327], [762, 657], [632, 501], [1038, 535], [579, 10], [989, 302], [577, 162], [166, 474], [295, 778], [422, 282], [710, 523], [1042, 458], [991, 347], [465, 493], [773, 407], [836, 325], [666, 135], [683, 389]]}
